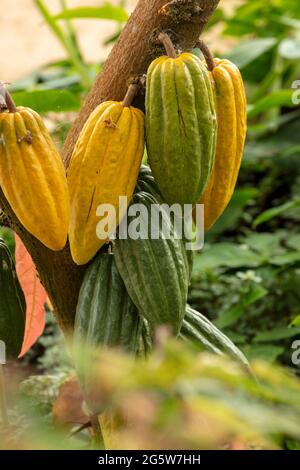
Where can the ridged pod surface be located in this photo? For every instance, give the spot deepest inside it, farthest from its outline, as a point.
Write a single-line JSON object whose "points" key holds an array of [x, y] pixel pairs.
{"points": [[146, 183], [12, 305], [32, 177], [155, 271], [231, 109], [198, 329], [105, 315], [104, 166], [180, 127]]}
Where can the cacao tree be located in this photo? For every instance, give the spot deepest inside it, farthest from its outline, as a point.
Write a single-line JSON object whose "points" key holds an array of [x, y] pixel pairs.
{"points": [[137, 46]]}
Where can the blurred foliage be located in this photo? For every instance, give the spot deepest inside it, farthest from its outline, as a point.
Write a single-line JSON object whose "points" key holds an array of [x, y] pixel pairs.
{"points": [[177, 399]]}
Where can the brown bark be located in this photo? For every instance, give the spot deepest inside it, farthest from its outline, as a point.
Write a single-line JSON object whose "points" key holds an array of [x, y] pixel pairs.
{"points": [[136, 47]]}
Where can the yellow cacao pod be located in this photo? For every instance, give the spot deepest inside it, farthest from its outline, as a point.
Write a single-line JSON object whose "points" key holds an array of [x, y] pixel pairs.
{"points": [[104, 166], [32, 177], [231, 106]]}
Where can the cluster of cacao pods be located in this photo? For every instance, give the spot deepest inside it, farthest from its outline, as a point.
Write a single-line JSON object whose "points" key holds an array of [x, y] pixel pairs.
{"points": [[195, 125]]}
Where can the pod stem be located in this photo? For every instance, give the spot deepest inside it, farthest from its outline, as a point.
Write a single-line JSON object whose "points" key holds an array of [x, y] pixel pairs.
{"points": [[131, 94], [209, 58], [7, 99], [166, 41]]}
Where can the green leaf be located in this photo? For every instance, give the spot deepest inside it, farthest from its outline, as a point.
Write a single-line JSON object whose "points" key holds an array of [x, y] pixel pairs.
{"points": [[293, 241], [44, 101], [231, 316], [276, 334], [287, 258], [248, 51], [107, 12], [266, 244], [277, 99], [296, 321], [266, 352], [275, 212], [290, 22], [225, 255]]}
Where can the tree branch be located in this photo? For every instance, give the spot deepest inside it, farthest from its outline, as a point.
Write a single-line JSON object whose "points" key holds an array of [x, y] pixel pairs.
{"points": [[138, 46], [131, 56]]}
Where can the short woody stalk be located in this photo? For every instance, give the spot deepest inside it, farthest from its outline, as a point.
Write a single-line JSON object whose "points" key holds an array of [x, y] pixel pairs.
{"points": [[207, 55], [165, 39], [10, 105], [132, 91]]}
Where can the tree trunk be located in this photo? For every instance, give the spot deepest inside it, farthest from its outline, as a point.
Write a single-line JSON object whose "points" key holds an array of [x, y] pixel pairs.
{"points": [[130, 57]]}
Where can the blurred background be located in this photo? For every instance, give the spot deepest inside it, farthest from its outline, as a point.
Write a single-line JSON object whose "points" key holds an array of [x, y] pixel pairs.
{"points": [[24, 32], [246, 280]]}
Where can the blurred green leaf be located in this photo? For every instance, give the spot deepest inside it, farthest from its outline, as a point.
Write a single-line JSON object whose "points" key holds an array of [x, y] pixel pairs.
{"points": [[44, 101], [293, 241], [296, 321], [231, 316], [290, 22], [248, 51], [225, 255], [266, 352], [276, 334], [275, 212], [277, 99], [266, 244], [107, 12], [60, 83], [286, 258]]}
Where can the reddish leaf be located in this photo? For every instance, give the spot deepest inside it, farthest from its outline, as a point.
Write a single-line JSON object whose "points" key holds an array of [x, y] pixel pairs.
{"points": [[35, 296]]}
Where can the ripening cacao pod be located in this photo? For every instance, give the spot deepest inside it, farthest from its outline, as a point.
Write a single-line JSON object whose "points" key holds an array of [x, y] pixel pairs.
{"points": [[180, 127], [155, 270], [104, 166], [32, 177], [12, 305], [231, 106]]}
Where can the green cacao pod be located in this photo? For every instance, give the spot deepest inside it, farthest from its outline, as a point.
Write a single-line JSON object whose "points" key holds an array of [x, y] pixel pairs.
{"points": [[154, 271], [199, 330], [146, 183], [180, 127], [12, 305], [105, 315]]}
